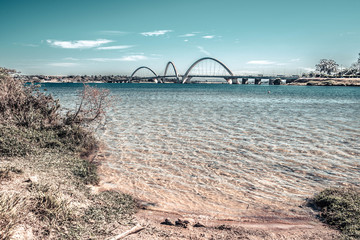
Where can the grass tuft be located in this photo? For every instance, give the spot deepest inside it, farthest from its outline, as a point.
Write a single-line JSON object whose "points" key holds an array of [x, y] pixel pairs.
{"points": [[86, 171], [48, 205], [340, 208], [53, 212], [11, 207], [109, 209]]}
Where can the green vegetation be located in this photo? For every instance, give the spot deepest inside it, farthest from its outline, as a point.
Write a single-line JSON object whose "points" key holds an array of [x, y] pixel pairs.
{"points": [[340, 208], [45, 168]]}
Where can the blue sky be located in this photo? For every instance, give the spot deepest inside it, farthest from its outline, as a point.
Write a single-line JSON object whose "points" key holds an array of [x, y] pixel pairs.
{"points": [[116, 37]]}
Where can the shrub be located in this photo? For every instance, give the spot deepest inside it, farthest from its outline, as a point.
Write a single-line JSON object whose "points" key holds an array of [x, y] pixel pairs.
{"points": [[25, 105], [30, 119], [92, 108]]}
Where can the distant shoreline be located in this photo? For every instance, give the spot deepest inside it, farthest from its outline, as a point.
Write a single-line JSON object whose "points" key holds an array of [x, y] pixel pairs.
{"points": [[119, 79], [327, 82]]}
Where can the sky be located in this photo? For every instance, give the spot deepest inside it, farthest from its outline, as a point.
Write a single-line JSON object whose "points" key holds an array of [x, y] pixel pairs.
{"points": [[117, 36]]}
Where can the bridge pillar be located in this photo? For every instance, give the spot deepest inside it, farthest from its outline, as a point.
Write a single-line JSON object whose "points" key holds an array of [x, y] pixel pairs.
{"points": [[235, 81], [271, 81], [277, 81], [257, 81], [244, 81]]}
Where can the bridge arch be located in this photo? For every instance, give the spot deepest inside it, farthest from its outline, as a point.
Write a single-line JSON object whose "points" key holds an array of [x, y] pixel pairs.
{"points": [[142, 67], [173, 66], [185, 77]]}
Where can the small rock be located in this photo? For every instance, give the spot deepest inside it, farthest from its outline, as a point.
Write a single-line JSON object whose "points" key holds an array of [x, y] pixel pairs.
{"points": [[167, 222], [145, 205], [223, 227], [199, 225], [32, 179], [181, 223]]}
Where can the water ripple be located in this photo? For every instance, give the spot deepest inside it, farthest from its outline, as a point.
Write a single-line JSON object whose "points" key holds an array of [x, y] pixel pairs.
{"points": [[219, 150]]}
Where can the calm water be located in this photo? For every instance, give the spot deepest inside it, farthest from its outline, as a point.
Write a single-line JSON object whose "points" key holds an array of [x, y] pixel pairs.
{"points": [[221, 150]]}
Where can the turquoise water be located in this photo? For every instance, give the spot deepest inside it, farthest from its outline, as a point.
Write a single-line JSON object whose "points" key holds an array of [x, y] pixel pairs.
{"points": [[222, 150]]}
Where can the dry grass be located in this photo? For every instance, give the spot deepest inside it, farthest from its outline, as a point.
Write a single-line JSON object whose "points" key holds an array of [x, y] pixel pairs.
{"points": [[11, 213], [56, 203], [5, 173], [42, 160], [25, 105]]}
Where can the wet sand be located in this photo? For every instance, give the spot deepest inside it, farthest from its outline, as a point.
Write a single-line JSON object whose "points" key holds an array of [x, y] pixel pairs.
{"points": [[258, 223]]}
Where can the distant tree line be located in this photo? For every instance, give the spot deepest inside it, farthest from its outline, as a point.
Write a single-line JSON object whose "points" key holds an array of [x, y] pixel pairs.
{"points": [[329, 68]]}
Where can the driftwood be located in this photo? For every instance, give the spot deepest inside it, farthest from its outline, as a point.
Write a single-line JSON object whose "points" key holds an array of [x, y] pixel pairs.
{"points": [[135, 229]]}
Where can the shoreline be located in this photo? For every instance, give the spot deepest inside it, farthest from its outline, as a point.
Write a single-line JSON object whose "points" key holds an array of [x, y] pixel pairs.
{"points": [[350, 82], [255, 224]]}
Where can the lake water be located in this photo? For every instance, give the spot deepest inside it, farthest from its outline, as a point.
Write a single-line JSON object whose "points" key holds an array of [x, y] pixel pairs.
{"points": [[223, 150]]}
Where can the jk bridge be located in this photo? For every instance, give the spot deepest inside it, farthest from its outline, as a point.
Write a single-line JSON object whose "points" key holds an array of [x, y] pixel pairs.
{"points": [[203, 68]]}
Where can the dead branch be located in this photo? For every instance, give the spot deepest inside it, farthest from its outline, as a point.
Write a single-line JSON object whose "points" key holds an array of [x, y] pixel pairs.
{"points": [[134, 230]]}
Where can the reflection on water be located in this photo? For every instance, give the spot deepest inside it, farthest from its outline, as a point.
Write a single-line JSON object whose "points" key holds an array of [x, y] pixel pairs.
{"points": [[219, 150]]}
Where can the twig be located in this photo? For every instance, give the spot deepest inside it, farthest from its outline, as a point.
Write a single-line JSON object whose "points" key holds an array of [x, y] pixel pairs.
{"points": [[135, 229]]}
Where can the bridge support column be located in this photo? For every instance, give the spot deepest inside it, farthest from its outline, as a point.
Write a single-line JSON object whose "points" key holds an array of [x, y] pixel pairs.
{"points": [[235, 81], [277, 81], [271, 81], [244, 81], [257, 81]]}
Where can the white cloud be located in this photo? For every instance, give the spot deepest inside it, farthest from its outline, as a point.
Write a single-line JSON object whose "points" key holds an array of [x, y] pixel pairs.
{"points": [[156, 55], [155, 33], [260, 62], [208, 37], [115, 47], [30, 45], [113, 32], [295, 60], [101, 59], [63, 64], [186, 40], [202, 50], [78, 44], [71, 59], [188, 35], [131, 58]]}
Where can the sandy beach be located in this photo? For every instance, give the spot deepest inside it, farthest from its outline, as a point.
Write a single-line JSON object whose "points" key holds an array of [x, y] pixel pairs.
{"points": [[256, 225]]}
